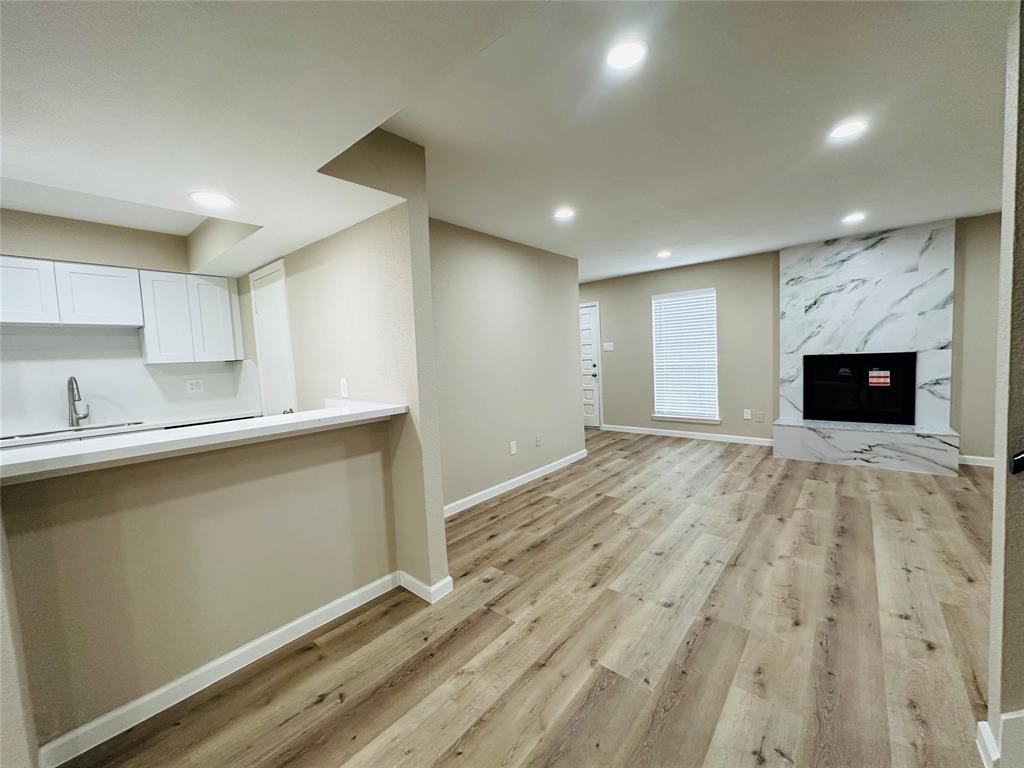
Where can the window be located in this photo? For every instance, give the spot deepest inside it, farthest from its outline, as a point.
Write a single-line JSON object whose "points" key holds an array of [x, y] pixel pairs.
{"points": [[686, 355]]}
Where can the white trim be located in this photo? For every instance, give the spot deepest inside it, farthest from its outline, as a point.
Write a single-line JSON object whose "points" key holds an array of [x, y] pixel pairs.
{"points": [[431, 593], [993, 749], [496, 490], [978, 461], [105, 727], [987, 746], [692, 435], [684, 419]]}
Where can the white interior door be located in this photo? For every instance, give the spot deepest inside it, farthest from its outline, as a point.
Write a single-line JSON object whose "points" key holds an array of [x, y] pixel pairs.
{"points": [[590, 362], [273, 339]]}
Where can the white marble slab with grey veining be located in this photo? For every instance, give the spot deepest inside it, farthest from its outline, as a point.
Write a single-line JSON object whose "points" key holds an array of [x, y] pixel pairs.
{"points": [[889, 291], [906, 451], [866, 426]]}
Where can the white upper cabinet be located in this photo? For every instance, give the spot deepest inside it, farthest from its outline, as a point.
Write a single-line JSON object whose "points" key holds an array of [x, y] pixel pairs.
{"points": [[89, 294], [184, 318], [28, 291], [167, 334], [213, 332]]}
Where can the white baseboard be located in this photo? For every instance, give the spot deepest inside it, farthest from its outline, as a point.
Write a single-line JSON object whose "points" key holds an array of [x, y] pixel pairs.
{"points": [[987, 746], [692, 435], [1006, 750], [496, 490], [431, 593], [105, 727], [978, 461]]}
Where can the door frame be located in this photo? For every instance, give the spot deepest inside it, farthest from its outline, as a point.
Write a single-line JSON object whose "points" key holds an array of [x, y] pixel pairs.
{"points": [[269, 269], [600, 359]]}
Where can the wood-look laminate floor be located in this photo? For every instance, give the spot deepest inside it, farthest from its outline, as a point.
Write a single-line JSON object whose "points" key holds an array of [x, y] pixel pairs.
{"points": [[664, 602]]}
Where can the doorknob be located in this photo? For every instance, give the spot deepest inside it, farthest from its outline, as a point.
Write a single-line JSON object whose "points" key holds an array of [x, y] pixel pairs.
{"points": [[594, 365], [594, 375], [1017, 463]]}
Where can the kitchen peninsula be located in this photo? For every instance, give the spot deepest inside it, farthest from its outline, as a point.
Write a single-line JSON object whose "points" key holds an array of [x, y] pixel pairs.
{"points": [[34, 462]]}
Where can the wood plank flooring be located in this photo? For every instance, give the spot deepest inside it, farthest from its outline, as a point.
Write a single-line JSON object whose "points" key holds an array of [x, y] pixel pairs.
{"points": [[665, 602]]}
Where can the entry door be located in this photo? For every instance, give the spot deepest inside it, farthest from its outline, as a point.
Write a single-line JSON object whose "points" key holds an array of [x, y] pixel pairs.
{"points": [[590, 362], [273, 339]]}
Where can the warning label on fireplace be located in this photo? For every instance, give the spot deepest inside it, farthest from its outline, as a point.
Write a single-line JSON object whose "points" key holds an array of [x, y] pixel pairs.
{"points": [[878, 378]]}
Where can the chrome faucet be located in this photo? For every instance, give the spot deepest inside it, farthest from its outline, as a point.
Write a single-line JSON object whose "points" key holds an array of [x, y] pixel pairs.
{"points": [[75, 418]]}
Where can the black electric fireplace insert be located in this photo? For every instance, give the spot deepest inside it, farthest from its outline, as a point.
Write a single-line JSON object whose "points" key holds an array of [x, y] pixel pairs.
{"points": [[867, 387]]}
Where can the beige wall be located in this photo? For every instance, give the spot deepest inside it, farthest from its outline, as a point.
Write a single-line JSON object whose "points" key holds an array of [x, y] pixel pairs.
{"points": [[975, 312], [18, 746], [507, 328], [128, 578], [748, 321], [1006, 629], [746, 290], [50, 237], [212, 238], [350, 304], [387, 162]]}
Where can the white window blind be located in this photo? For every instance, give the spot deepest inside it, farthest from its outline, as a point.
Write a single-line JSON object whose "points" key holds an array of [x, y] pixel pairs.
{"points": [[686, 354]]}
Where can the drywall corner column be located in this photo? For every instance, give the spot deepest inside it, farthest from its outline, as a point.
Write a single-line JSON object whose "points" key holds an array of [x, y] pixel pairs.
{"points": [[18, 748], [389, 163], [1006, 649]]}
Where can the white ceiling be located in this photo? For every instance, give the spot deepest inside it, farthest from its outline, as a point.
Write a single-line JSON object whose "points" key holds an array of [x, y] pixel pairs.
{"points": [[51, 201], [144, 102], [716, 146]]}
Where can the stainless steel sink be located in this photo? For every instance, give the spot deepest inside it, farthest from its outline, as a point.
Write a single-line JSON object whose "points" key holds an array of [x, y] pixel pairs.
{"points": [[70, 431]]}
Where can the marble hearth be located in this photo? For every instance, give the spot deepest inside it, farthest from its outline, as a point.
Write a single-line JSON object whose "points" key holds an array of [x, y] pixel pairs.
{"points": [[889, 291], [881, 446]]}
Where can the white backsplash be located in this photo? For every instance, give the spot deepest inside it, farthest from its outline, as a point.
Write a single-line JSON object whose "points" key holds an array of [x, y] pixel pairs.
{"points": [[35, 363]]}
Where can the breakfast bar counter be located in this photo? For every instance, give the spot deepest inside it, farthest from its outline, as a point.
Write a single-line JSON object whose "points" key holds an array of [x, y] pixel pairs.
{"points": [[34, 462]]}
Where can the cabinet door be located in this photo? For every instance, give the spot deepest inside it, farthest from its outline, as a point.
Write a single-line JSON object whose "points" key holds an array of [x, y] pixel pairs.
{"points": [[167, 334], [213, 333], [28, 291], [89, 294]]}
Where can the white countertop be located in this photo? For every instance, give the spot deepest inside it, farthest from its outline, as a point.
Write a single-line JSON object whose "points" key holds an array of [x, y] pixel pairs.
{"points": [[34, 462]]}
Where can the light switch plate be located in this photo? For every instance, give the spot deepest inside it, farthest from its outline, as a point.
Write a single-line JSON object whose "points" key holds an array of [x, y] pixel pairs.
{"points": [[513, 448], [608, 346], [344, 387], [538, 441], [746, 414], [759, 417]]}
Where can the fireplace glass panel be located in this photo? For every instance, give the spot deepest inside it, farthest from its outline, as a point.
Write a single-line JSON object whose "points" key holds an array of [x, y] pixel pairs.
{"points": [[867, 387]]}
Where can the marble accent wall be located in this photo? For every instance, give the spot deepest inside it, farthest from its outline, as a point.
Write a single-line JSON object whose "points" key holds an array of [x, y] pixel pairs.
{"points": [[890, 291]]}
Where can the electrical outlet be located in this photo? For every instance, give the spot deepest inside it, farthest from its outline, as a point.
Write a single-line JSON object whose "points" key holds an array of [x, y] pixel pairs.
{"points": [[194, 386], [746, 414], [344, 387], [513, 448], [538, 441], [759, 417]]}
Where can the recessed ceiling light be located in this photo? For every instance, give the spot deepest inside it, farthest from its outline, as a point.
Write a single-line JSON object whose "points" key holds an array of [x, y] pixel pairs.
{"points": [[626, 54], [848, 129], [854, 218], [211, 199], [664, 254], [564, 213]]}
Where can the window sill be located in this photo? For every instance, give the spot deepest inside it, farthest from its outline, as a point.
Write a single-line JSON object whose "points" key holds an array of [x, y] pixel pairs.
{"points": [[687, 419]]}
